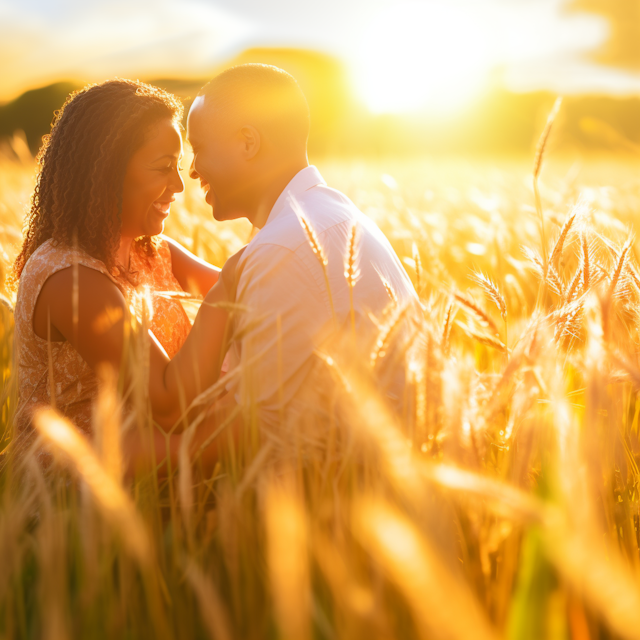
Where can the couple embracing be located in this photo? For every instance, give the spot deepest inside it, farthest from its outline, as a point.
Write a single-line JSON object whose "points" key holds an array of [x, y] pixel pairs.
{"points": [[108, 174]]}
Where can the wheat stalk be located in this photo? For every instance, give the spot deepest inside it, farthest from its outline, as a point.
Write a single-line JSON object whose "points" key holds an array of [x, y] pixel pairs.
{"points": [[418, 572], [537, 165], [620, 264], [544, 138], [483, 338], [558, 246], [446, 328], [554, 281], [6, 303], [569, 324], [586, 262], [287, 557], [351, 271], [492, 291], [634, 275], [478, 311], [384, 335], [316, 247], [390, 292], [62, 437], [388, 288], [418, 266], [549, 275], [211, 605], [573, 285]]}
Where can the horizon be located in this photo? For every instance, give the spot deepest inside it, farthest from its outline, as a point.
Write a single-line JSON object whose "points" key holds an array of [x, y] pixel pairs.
{"points": [[384, 48]]}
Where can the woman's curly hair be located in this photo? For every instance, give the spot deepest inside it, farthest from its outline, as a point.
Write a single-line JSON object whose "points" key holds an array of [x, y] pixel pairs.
{"points": [[82, 164]]}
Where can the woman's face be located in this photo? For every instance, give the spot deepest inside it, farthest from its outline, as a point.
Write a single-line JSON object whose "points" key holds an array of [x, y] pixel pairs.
{"points": [[151, 180]]}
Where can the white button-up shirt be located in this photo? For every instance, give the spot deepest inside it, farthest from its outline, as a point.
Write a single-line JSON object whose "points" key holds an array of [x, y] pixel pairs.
{"points": [[283, 286]]}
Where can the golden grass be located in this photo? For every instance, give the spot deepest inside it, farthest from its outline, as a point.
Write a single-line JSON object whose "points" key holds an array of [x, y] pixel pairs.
{"points": [[502, 501]]}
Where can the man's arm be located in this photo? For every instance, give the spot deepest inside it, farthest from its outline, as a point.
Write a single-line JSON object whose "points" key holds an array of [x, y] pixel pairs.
{"points": [[288, 316]]}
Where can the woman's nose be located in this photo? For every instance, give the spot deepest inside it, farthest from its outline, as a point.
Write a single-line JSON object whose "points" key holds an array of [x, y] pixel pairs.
{"points": [[177, 183]]}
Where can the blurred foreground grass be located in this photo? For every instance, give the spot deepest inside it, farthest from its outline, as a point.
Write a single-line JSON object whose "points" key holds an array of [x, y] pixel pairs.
{"points": [[503, 503]]}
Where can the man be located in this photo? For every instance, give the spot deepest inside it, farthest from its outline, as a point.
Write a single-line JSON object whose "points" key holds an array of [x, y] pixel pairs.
{"points": [[248, 128]]}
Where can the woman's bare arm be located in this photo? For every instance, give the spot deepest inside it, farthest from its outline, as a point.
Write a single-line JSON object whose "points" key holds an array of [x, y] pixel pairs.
{"points": [[97, 332]]}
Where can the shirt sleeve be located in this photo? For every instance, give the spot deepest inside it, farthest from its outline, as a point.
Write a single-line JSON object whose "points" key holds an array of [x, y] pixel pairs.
{"points": [[287, 317]]}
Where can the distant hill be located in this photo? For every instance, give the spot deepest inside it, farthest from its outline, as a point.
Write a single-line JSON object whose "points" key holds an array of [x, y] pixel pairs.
{"points": [[498, 122], [32, 112], [321, 77]]}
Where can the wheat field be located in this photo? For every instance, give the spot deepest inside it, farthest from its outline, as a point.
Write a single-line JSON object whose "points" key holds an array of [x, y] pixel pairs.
{"points": [[502, 503]]}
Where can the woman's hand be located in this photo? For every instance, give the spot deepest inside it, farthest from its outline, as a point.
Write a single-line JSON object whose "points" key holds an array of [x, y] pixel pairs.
{"points": [[196, 367], [173, 384]]}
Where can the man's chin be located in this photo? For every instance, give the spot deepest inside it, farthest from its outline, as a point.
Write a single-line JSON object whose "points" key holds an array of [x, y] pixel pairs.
{"points": [[222, 214]]}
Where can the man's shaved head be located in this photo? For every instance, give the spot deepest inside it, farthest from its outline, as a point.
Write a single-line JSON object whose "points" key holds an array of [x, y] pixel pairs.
{"points": [[248, 129], [262, 95]]}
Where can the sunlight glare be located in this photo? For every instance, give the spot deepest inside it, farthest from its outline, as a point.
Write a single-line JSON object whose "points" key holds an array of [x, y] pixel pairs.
{"points": [[423, 54]]}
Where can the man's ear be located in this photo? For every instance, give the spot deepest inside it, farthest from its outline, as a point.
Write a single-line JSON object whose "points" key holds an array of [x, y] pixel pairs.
{"points": [[250, 138]]}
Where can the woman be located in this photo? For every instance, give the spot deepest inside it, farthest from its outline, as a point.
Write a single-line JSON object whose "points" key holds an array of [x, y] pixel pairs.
{"points": [[108, 174]]}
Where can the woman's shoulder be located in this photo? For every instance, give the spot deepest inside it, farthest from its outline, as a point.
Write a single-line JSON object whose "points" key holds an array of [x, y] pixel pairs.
{"points": [[51, 257], [52, 254]]}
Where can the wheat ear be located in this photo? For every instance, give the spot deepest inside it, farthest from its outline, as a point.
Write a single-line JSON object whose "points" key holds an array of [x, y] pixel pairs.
{"points": [[622, 259], [384, 335], [446, 328], [586, 263], [556, 252], [316, 247], [551, 278], [488, 340], [477, 310], [573, 286], [418, 262], [492, 292], [634, 275], [537, 165], [351, 271], [388, 288]]}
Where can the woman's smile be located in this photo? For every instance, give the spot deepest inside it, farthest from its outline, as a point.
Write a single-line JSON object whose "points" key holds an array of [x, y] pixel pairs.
{"points": [[163, 207]]}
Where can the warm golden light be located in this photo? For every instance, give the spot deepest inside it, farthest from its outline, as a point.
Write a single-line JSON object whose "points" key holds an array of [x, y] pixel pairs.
{"points": [[423, 55]]}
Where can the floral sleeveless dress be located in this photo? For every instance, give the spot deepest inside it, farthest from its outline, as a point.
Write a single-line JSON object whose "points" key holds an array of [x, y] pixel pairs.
{"points": [[74, 383]]}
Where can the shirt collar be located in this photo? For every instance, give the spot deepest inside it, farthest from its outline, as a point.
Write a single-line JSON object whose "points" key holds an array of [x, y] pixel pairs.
{"points": [[304, 180]]}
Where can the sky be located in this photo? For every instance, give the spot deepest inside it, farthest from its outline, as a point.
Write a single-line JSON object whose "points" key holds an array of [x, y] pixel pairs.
{"points": [[451, 45]]}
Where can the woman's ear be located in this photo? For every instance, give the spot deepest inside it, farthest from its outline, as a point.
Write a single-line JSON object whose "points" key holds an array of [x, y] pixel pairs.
{"points": [[250, 138]]}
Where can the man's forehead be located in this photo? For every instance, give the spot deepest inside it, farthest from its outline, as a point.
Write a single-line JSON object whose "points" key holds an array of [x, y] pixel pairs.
{"points": [[203, 117], [193, 127], [195, 112], [197, 104]]}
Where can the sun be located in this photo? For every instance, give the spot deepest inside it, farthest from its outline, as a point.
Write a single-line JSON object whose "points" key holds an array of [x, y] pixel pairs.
{"points": [[432, 55]]}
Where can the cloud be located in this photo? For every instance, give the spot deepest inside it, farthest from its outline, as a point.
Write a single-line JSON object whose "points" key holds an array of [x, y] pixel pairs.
{"points": [[95, 40], [42, 41]]}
